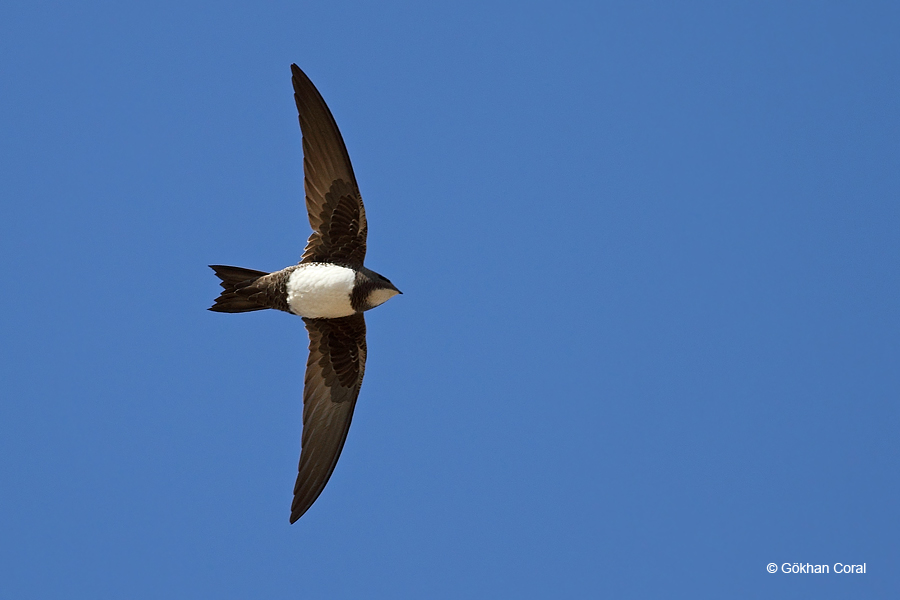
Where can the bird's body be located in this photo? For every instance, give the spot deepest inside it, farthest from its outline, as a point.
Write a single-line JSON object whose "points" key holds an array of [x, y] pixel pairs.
{"points": [[321, 291], [330, 288]]}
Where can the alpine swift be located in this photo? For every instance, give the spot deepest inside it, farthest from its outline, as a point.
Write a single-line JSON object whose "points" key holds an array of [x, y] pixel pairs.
{"points": [[329, 288]]}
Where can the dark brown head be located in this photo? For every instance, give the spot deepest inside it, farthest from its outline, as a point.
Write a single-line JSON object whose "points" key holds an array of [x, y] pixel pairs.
{"points": [[370, 290]]}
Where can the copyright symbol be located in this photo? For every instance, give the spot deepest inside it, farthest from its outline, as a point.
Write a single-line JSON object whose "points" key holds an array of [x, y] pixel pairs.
{"points": [[771, 567]]}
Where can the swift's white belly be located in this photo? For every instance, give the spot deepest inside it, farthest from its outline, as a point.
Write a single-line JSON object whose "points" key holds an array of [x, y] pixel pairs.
{"points": [[320, 290]]}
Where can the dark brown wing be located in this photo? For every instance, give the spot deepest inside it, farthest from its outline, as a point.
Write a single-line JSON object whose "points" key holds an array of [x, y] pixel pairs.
{"points": [[334, 373], [333, 201]]}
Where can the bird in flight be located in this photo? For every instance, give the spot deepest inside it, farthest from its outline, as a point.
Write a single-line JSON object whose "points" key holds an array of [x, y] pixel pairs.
{"points": [[329, 288]]}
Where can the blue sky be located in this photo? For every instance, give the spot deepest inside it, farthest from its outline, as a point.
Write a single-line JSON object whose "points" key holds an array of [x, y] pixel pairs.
{"points": [[648, 341]]}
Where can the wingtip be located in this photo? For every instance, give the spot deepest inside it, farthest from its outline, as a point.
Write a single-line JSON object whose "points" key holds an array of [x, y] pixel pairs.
{"points": [[298, 78], [296, 514]]}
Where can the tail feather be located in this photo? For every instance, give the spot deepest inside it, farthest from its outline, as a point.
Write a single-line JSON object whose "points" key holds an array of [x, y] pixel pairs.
{"points": [[237, 283]]}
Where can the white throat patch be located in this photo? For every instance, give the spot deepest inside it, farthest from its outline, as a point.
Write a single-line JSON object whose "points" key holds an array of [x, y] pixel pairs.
{"points": [[320, 290], [380, 296]]}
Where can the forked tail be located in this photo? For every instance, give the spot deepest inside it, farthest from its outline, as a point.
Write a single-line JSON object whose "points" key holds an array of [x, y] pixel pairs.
{"points": [[239, 289]]}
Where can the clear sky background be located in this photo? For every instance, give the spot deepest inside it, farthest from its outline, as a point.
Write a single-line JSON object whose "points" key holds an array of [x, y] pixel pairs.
{"points": [[649, 338]]}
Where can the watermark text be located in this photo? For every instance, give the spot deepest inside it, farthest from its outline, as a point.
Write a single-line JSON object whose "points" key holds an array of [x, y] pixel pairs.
{"points": [[810, 568]]}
